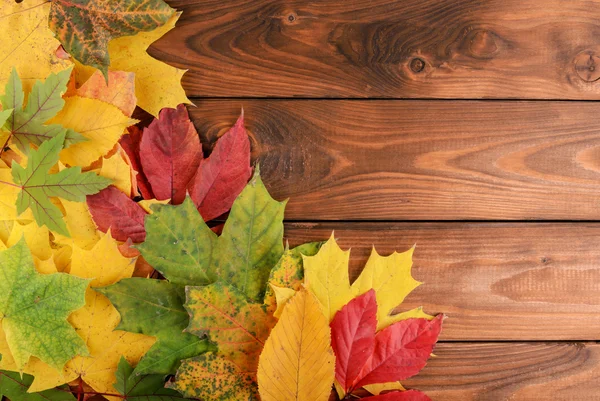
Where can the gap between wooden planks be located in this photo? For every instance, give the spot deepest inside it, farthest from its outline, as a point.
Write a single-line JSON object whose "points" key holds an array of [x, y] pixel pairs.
{"points": [[421, 160], [528, 49]]}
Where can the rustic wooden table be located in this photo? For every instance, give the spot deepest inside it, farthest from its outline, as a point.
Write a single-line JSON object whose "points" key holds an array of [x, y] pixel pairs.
{"points": [[462, 126]]}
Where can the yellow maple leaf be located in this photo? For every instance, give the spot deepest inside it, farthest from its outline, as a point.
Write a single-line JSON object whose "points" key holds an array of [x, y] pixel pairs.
{"points": [[36, 237], [80, 224], [157, 85], [27, 43], [282, 296], [326, 276], [95, 323], [146, 204], [297, 362], [100, 122], [116, 168]]}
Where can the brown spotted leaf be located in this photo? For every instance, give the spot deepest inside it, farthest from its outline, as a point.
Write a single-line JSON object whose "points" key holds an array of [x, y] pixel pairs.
{"points": [[210, 377], [84, 27], [239, 328]]}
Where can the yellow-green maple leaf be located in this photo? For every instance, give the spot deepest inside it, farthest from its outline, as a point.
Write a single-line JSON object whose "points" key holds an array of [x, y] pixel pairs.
{"points": [[326, 276]]}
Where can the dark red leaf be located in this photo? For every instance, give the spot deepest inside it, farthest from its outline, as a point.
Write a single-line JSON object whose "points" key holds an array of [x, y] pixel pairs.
{"points": [[222, 176], [353, 337], [410, 395], [170, 153], [131, 145], [113, 209], [401, 351]]}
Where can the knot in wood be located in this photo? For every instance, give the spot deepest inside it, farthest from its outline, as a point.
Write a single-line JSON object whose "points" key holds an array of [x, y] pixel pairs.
{"points": [[417, 65], [587, 66]]}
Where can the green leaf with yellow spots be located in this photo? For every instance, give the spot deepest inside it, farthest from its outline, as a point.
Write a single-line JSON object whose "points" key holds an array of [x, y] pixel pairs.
{"points": [[238, 327], [252, 240], [210, 377], [84, 27], [179, 244], [34, 310], [289, 272]]}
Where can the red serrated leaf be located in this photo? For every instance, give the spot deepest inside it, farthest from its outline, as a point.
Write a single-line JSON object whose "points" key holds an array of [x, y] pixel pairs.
{"points": [[131, 145], [113, 209], [353, 337], [398, 351], [410, 395], [170, 153], [223, 175]]}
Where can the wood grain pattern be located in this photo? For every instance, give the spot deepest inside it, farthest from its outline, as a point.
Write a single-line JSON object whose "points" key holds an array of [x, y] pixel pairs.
{"points": [[421, 160], [495, 281], [387, 48], [515, 372]]}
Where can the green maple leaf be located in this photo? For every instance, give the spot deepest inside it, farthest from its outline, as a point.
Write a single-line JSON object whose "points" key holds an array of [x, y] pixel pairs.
{"points": [[27, 124], [34, 310], [37, 185], [155, 308], [182, 247], [84, 27], [143, 388], [14, 387], [252, 240], [179, 244]]}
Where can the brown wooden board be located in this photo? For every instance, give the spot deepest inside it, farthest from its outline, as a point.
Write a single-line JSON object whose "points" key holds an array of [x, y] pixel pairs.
{"points": [[495, 281], [511, 371], [422, 160], [387, 48]]}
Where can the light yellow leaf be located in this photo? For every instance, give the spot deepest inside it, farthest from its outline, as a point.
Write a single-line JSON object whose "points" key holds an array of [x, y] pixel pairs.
{"points": [[282, 296], [102, 123], [8, 197], [116, 169], [36, 237], [326, 276], [6, 227], [104, 263], [80, 225], [390, 277], [157, 85], [297, 362], [27, 43], [376, 389], [147, 203], [45, 266]]}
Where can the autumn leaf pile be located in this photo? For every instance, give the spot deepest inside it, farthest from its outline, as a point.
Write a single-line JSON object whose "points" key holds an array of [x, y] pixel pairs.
{"points": [[137, 265]]}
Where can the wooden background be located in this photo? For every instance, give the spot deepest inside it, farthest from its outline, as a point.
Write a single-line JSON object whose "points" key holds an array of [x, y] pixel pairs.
{"points": [[464, 126]]}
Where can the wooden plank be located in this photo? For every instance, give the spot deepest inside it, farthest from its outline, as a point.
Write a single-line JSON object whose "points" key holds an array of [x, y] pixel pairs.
{"points": [[422, 160], [387, 48], [511, 371], [495, 281]]}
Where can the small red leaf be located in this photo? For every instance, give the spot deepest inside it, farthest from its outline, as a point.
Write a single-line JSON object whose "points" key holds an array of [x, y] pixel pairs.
{"points": [[401, 351], [353, 337], [131, 145], [113, 209], [222, 177], [170, 153], [410, 395]]}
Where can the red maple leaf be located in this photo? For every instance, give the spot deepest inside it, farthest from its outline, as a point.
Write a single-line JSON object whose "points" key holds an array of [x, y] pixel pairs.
{"points": [[395, 353], [222, 176], [170, 153], [112, 209]]}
